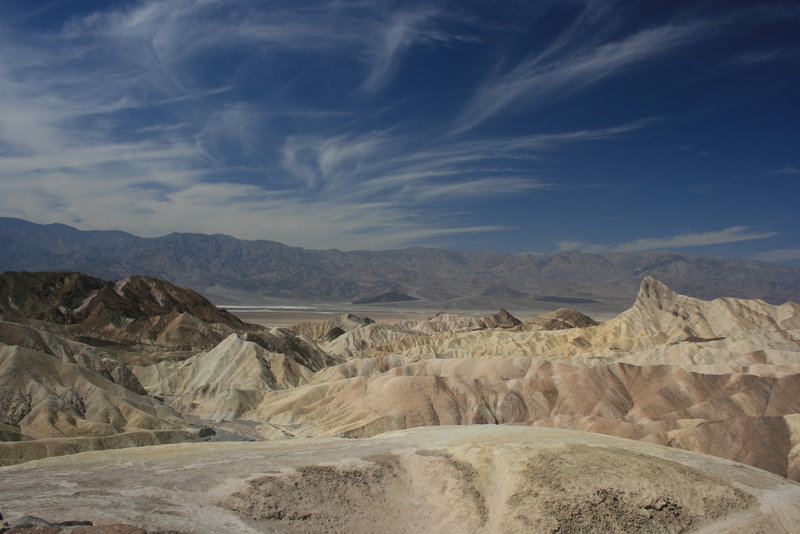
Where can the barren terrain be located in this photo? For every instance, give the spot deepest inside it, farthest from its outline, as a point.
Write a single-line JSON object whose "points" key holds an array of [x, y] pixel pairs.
{"points": [[477, 479], [89, 365]]}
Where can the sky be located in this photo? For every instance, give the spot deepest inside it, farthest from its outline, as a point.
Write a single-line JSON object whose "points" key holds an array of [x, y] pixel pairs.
{"points": [[520, 127]]}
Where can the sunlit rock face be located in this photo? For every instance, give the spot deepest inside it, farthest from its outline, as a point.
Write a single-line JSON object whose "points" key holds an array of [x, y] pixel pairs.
{"points": [[717, 377]]}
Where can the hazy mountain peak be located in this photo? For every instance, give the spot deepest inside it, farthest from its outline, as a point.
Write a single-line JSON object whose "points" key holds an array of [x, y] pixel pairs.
{"points": [[224, 266]]}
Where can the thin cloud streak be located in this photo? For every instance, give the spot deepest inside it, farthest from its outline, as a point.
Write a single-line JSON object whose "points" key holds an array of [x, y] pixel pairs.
{"points": [[788, 170], [732, 234], [539, 79], [375, 189], [778, 255], [403, 31], [344, 185], [193, 115]]}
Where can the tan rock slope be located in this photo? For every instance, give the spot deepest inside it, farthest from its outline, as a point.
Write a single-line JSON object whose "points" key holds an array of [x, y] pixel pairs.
{"points": [[661, 327], [67, 408], [358, 340], [332, 328], [59, 394], [660, 404], [233, 377], [71, 351], [468, 479], [718, 377]]}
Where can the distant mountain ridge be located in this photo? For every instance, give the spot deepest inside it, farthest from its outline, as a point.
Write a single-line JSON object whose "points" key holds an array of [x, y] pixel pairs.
{"points": [[434, 276]]}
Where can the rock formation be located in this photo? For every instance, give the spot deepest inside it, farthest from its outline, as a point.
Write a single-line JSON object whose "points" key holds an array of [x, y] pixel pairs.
{"points": [[137, 309], [67, 408], [233, 377], [560, 319], [321, 330], [64, 386], [670, 370], [719, 377]]}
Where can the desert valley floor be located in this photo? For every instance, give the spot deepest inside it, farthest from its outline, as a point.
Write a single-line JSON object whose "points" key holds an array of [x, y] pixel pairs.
{"points": [[140, 404]]}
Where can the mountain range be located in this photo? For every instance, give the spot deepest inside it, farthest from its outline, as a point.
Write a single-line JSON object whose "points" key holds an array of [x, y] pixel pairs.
{"points": [[230, 270]]}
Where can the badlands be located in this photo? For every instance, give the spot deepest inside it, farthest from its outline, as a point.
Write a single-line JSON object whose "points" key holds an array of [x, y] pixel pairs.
{"points": [[677, 415]]}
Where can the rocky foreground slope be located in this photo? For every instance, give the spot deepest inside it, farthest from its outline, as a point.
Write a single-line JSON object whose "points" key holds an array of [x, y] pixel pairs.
{"points": [[470, 479]]}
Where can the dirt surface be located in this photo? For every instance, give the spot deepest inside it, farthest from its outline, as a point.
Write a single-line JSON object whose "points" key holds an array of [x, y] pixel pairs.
{"points": [[471, 479]]}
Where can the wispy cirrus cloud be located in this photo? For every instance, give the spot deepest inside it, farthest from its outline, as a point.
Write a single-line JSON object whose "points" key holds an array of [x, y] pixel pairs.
{"points": [[401, 31], [373, 191], [787, 170], [572, 245], [122, 144], [168, 34], [755, 57], [732, 234], [389, 164], [113, 122], [778, 255], [283, 120], [554, 73]]}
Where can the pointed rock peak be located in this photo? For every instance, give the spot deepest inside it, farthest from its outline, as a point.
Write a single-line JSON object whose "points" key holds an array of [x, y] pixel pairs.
{"points": [[358, 319], [505, 319], [233, 339], [652, 290], [119, 285], [574, 318]]}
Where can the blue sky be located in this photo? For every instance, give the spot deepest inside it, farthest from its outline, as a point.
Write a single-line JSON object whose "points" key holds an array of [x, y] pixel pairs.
{"points": [[520, 127]]}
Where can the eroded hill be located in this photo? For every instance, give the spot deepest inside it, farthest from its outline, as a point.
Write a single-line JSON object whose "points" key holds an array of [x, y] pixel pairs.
{"points": [[69, 343], [719, 377]]}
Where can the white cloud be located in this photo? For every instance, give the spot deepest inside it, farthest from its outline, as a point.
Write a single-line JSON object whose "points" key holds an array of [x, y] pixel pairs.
{"points": [[788, 170], [110, 124], [401, 32], [754, 57], [571, 245], [731, 234], [541, 78], [778, 255], [367, 191]]}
